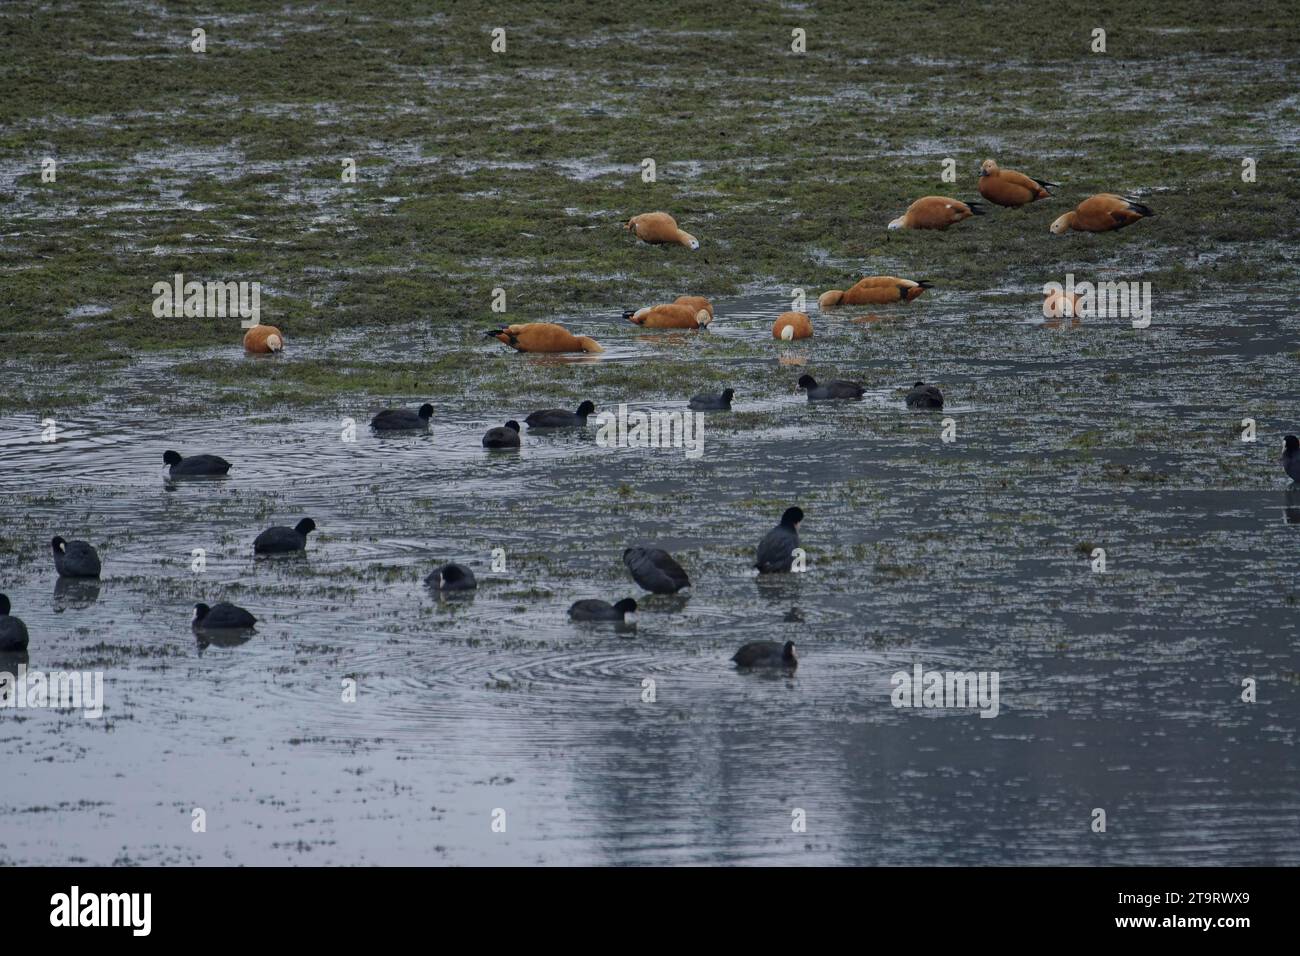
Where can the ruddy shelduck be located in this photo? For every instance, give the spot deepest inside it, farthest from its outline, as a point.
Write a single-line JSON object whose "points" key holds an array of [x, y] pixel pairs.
{"points": [[936, 212], [874, 290], [658, 228], [263, 340], [542, 337], [1057, 304], [1006, 187], [698, 301], [677, 315], [792, 325], [1102, 213]]}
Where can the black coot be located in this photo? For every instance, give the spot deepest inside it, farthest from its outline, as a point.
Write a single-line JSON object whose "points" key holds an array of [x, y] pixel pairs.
{"points": [[452, 577], [195, 466], [714, 403], [776, 550], [402, 419], [594, 610], [655, 570], [503, 436], [75, 559], [767, 654], [221, 617], [13, 632], [1291, 457], [558, 418], [838, 389], [924, 396], [279, 539]]}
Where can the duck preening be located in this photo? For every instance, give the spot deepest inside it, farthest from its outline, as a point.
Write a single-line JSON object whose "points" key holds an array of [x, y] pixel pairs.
{"points": [[75, 559]]}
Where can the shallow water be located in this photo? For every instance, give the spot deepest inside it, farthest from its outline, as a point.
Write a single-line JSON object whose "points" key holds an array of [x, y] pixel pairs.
{"points": [[1119, 690]]}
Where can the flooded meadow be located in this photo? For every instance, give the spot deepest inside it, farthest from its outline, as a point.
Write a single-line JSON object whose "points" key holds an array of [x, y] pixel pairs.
{"points": [[1119, 688], [1098, 515]]}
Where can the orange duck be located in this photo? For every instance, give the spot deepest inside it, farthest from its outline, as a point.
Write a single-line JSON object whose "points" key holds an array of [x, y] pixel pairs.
{"points": [[1056, 304], [263, 340], [688, 312], [792, 325], [1102, 213], [674, 316], [936, 212], [698, 301], [542, 337], [1006, 187], [874, 290], [658, 228]]}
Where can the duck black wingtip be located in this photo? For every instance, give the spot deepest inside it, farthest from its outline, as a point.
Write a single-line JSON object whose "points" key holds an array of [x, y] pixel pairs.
{"points": [[976, 207], [1139, 207]]}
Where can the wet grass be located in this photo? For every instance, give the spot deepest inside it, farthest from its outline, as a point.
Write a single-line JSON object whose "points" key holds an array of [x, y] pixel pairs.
{"points": [[479, 171]]}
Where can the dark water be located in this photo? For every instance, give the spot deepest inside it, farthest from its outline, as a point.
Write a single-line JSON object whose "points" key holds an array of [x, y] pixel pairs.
{"points": [[1119, 690]]}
